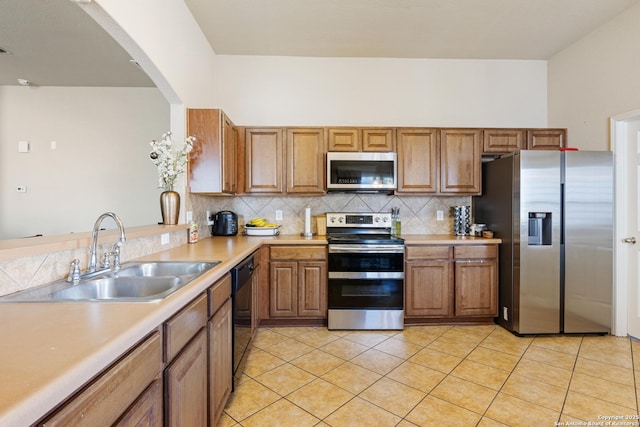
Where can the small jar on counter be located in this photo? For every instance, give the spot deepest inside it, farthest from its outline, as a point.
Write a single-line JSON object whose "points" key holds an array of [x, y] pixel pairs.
{"points": [[193, 232]]}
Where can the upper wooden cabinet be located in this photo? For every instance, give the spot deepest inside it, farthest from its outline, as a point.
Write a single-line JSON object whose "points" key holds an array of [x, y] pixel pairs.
{"points": [[504, 140], [344, 139], [264, 157], [439, 161], [546, 139], [418, 160], [212, 162], [305, 153], [461, 161], [361, 139]]}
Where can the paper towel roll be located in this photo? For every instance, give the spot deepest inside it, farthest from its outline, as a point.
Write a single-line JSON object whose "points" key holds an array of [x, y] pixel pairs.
{"points": [[307, 221]]}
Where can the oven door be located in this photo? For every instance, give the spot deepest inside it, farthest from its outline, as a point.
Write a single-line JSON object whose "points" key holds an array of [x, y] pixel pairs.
{"points": [[371, 293], [366, 277]]}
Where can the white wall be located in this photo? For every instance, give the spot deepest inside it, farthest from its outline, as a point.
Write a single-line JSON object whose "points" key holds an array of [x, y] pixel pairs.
{"points": [[259, 90], [100, 164], [594, 79]]}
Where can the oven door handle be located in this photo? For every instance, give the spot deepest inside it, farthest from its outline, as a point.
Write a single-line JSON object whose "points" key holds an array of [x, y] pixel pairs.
{"points": [[366, 275], [369, 249]]}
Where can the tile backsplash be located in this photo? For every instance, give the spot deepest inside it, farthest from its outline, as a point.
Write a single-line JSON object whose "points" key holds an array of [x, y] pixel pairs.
{"points": [[417, 213]]}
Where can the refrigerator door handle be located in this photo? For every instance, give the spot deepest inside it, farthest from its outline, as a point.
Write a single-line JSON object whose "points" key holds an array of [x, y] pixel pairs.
{"points": [[631, 240]]}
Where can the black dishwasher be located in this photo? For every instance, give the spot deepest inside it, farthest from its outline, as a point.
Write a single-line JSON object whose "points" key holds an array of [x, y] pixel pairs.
{"points": [[242, 296]]}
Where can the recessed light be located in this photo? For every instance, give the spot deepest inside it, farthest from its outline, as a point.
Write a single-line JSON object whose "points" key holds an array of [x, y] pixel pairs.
{"points": [[4, 51], [24, 82]]}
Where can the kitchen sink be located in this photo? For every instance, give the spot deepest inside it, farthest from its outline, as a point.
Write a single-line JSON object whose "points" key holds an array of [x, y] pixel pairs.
{"points": [[120, 288], [135, 281]]}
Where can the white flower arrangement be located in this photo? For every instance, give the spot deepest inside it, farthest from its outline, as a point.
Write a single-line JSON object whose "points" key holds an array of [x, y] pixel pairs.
{"points": [[170, 161]]}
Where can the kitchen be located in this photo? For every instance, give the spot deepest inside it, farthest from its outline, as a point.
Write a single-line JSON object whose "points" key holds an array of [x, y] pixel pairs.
{"points": [[472, 106]]}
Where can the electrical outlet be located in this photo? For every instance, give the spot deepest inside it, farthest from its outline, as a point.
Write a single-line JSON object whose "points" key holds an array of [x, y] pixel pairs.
{"points": [[164, 239], [278, 215], [440, 215], [505, 313], [209, 218]]}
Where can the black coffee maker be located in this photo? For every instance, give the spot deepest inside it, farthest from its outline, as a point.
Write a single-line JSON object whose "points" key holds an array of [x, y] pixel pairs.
{"points": [[225, 223]]}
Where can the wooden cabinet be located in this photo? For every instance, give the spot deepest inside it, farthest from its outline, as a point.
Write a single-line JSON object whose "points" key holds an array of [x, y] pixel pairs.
{"points": [[546, 139], [476, 278], [451, 282], [264, 159], [124, 394], [361, 139], [213, 160], [501, 141], [220, 330], [305, 153], [344, 139], [429, 281], [439, 161], [298, 282], [418, 160], [185, 377], [460, 161]]}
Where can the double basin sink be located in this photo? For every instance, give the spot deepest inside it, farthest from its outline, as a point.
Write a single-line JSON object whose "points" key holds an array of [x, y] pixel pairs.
{"points": [[134, 281]]}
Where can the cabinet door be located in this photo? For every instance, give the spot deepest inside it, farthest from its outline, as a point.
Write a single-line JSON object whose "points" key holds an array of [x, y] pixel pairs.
{"points": [[306, 150], [283, 289], [429, 288], [111, 395], [220, 361], [186, 385], [546, 139], [147, 410], [344, 139], [312, 289], [206, 158], [229, 155], [504, 140], [460, 161], [378, 139], [476, 288], [417, 161], [264, 160]]}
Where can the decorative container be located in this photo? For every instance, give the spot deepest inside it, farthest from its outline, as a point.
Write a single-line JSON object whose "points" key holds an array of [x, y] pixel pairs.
{"points": [[170, 207]]}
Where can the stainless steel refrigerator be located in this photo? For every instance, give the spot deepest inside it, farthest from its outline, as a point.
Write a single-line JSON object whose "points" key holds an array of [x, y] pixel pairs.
{"points": [[554, 213]]}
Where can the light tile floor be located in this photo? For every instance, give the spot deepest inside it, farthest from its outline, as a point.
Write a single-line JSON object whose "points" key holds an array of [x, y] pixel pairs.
{"points": [[435, 376]]}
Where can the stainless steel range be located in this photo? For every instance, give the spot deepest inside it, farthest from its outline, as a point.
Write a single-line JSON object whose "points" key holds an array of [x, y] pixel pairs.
{"points": [[366, 272]]}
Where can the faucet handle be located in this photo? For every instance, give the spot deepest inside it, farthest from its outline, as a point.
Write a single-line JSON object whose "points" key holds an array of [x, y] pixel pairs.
{"points": [[74, 271], [106, 263]]}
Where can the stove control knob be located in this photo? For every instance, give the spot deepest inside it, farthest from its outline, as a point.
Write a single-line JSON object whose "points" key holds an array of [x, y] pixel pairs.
{"points": [[386, 219], [340, 220]]}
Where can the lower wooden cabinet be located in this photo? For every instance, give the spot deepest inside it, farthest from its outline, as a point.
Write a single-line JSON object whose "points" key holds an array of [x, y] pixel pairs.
{"points": [[220, 330], [186, 385], [298, 282], [451, 282], [120, 393]]}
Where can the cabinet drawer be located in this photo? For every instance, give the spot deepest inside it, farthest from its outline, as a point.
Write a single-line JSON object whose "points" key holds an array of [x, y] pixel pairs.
{"points": [[299, 252], [108, 397], [484, 251], [184, 325], [219, 293], [427, 252]]}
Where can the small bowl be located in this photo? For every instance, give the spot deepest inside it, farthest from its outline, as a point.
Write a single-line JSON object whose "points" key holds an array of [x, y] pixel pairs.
{"points": [[487, 234]]}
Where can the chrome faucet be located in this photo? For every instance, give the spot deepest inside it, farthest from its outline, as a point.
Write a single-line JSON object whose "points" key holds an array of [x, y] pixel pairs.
{"points": [[93, 254]]}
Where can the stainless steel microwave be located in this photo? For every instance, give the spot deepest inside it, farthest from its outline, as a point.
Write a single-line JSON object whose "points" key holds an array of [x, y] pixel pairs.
{"points": [[366, 172]]}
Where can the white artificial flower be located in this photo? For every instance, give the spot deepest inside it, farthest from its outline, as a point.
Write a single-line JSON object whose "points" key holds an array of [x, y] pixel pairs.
{"points": [[170, 161]]}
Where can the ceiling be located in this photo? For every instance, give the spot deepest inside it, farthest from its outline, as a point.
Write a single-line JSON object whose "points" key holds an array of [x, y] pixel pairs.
{"points": [[55, 43]]}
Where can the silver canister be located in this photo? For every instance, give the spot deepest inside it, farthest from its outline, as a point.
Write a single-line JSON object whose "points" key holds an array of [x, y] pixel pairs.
{"points": [[461, 220]]}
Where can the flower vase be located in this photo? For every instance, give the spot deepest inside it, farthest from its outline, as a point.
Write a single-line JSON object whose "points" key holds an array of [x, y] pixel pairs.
{"points": [[170, 207]]}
